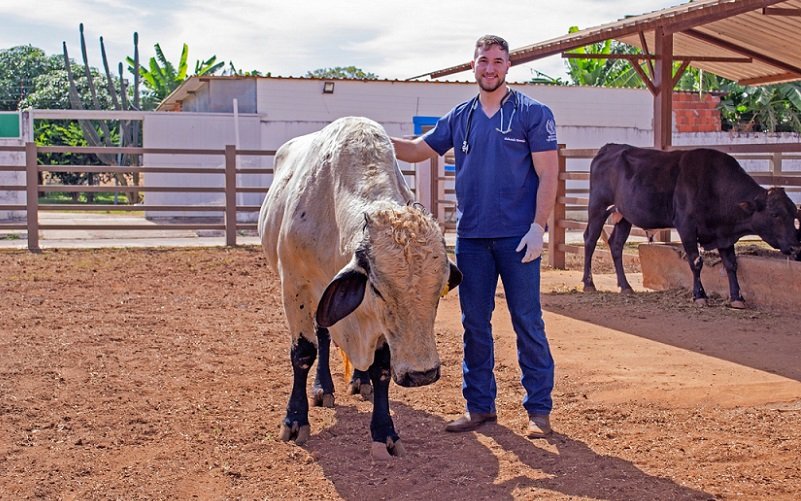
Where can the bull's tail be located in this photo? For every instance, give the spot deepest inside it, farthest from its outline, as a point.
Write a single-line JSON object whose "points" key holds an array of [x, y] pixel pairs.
{"points": [[347, 366]]}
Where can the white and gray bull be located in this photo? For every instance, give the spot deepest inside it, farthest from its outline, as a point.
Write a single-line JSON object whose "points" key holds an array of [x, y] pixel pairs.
{"points": [[359, 263]]}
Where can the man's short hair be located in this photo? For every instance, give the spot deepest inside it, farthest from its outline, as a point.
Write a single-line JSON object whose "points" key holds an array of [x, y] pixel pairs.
{"points": [[488, 41]]}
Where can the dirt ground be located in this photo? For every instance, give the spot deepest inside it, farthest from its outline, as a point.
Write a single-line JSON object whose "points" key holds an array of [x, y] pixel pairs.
{"points": [[164, 374]]}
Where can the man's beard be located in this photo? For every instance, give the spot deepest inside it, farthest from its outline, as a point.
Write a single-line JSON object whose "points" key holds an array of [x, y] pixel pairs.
{"points": [[491, 88]]}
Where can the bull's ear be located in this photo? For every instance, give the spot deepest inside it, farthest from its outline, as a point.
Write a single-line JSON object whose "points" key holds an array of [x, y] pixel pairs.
{"points": [[454, 279], [343, 295], [748, 207], [758, 203]]}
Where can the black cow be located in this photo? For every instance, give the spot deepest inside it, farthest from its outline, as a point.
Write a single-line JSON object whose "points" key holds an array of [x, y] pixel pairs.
{"points": [[705, 194]]}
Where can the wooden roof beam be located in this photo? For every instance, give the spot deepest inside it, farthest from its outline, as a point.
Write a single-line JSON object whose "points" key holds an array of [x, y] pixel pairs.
{"points": [[778, 11], [644, 44], [679, 72], [699, 35], [645, 78], [717, 12], [779, 77], [643, 57]]}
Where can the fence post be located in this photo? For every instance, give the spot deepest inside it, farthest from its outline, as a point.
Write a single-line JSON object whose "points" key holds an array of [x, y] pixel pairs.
{"points": [[32, 196], [556, 231], [230, 195], [776, 163]]}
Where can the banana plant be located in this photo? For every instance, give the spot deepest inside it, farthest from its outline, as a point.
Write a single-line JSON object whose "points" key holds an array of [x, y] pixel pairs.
{"points": [[208, 67], [772, 108], [602, 72], [162, 77]]}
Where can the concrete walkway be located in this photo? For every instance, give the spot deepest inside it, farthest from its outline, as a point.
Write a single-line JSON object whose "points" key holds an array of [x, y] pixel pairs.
{"points": [[95, 239], [66, 239]]}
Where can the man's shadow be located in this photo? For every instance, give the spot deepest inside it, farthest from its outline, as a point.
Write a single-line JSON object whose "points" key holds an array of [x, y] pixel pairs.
{"points": [[471, 466]]}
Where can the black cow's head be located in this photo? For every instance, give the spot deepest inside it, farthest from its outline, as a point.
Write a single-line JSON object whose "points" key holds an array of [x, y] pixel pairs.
{"points": [[774, 218]]}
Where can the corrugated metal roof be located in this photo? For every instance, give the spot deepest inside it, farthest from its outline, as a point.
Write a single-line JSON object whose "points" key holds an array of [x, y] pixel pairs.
{"points": [[766, 32]]}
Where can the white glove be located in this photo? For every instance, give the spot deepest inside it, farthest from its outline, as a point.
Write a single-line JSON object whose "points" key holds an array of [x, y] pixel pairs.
{"points": [[532, 242]]}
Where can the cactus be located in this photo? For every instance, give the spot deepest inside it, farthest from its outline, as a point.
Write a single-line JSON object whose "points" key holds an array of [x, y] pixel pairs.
{"points": [[129, 129]]}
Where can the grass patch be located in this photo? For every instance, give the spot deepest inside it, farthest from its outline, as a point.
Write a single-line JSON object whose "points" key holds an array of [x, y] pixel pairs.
{"points": [[100, 199]]}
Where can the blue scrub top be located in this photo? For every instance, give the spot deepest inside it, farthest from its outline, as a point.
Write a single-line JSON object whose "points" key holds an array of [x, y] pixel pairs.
{"points": [[496, 184]]}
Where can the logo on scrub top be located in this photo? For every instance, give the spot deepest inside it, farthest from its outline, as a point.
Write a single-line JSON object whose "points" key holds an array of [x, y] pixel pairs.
{"points": [[550, 128]]}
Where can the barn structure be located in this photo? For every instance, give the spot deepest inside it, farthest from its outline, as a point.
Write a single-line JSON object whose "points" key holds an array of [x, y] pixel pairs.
{"points": [[752, 42]]}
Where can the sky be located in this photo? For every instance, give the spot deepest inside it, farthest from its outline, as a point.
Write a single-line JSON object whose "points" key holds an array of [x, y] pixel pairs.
{"points": [[394, 40]]}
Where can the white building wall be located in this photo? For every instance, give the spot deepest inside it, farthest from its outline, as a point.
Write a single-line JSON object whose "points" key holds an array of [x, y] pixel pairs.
{"points": [[791, 162], [587, 117], [200, 131], [393, 104]]}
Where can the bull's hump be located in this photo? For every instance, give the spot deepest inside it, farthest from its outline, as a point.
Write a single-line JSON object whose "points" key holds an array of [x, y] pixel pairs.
{"points": [[356, 159]]}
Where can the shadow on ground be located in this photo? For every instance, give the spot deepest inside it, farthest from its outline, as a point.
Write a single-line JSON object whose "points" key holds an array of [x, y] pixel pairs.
{"points": [[476, 465], [758, 338]]}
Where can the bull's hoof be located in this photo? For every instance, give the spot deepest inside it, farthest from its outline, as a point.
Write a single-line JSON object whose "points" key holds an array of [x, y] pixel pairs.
{"points": [[589, 288], [364, 389], [380, 451], [298, 433], [322, 399], [700, 302], [738, 304], [627, 291]]}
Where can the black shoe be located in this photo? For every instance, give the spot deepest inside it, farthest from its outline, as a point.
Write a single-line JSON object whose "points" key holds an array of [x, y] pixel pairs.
{"points": [[470, 422]]}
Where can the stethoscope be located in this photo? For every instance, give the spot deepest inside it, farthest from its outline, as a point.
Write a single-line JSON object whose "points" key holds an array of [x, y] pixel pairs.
{"points": [[501, 129]]}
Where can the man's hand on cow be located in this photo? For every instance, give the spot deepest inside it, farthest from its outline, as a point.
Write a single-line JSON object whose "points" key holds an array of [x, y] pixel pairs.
{"points": [[532, 242]]}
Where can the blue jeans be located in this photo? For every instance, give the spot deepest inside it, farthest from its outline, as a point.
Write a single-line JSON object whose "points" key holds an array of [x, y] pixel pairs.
{"points": [[482, 261]]}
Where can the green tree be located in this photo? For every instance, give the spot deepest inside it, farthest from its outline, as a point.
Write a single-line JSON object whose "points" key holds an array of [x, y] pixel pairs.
{"points": [[161, 76], [50, 93], [339, 72], [19, 68], [50, 89]]}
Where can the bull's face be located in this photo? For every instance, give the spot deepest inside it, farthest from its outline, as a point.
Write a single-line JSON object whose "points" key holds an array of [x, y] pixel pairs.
{"points": [[395, 279], [774, 219]]}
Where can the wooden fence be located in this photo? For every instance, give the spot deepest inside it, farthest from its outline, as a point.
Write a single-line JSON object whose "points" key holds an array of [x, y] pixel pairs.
{"points": [[229, 187], [229, 209], [572, 197]]}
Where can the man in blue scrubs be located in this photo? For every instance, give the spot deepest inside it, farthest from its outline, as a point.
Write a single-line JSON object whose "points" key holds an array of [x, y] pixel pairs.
{"points": [[506, 171]]}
